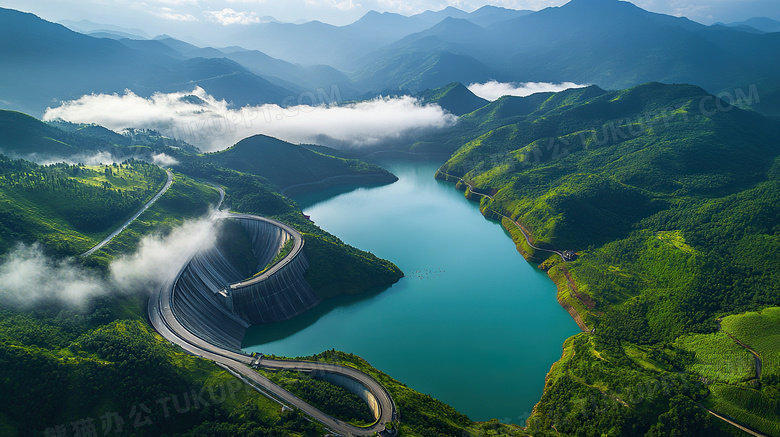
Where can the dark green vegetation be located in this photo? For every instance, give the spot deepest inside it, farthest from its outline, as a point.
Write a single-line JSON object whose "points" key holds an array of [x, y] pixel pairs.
{"points": [[26, 135], [455, 98], [673, 209], [339, 268], [70, 207], [325, 396], [107, 365], [286, 165], [187, 199], [29, 138]]}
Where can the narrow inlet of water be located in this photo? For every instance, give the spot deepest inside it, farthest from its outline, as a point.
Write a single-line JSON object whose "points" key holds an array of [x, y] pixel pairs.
{"points": [[472, 323]]}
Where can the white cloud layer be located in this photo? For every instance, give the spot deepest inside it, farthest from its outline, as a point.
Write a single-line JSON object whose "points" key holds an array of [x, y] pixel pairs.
{"points": [[493, 90], [210, 124], [28, 277]]}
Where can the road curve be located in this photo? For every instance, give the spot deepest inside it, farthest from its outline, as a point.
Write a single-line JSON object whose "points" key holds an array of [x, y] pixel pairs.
{"points": [[297, 248], [165, 322], [527, 239], [135, 216]]}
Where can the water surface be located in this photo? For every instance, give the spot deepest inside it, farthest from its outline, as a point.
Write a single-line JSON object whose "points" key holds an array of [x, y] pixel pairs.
{"points": [[472, 323]]}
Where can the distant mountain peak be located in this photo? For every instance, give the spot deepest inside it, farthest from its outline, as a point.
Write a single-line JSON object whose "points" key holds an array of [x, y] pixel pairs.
{"points": [[455, 98], [601, 4]]}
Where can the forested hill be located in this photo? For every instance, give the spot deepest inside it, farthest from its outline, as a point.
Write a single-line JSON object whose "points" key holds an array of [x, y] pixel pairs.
{"points": [[24, 135], [70, 207], [286, 164], [672, 200], [637, 147]]}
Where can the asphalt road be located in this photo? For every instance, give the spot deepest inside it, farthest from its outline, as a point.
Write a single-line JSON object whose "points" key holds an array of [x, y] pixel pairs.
{"points": [[135, 216]]}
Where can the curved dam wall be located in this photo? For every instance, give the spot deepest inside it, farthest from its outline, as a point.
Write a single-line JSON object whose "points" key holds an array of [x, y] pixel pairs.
{"points": [[282, 295], [206, 304]]}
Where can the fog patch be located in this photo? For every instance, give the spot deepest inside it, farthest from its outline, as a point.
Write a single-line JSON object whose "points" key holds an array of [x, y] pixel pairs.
{"points": [[29, 277], [494, 90], [159, 256], [164, 160], [97, 158], [200, 119], [102, 157]]}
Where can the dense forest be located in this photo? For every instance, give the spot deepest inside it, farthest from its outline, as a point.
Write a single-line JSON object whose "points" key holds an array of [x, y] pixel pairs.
{"points": [[673, 213]]}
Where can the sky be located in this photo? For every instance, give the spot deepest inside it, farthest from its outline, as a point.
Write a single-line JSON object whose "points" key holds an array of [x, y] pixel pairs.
{"points": [[181, 18]]}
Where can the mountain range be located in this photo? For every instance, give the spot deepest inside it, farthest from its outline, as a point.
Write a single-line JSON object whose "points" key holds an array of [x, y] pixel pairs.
{"points": [[609, 43]]}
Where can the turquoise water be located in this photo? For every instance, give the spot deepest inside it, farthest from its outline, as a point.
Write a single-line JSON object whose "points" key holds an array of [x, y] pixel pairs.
{"points": [[472, 323]]}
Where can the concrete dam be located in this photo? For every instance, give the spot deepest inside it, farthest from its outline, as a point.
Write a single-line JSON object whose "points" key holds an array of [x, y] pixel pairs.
{"points": [[213, 300], [206, 308]]}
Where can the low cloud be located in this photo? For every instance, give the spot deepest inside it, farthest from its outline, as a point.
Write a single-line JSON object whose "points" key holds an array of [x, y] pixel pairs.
{"points": [[200, 119], [494, 90], [228, 16], [100, 158], [29, 277], [97, 158], [164, 160], [160, 256]]}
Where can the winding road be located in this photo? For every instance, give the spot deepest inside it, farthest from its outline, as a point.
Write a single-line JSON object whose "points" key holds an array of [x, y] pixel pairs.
{"points": [[527, 239], [165, 322], [132, 219]]}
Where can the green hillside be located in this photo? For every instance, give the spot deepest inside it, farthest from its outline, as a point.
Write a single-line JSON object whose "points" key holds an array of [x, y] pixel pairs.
{"points": [[69, 208], [455, 98], [286, 165], [24, 135], [673, 212]]}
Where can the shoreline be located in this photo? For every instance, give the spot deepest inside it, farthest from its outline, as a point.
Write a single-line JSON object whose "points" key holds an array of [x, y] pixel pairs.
{"points": [[338, 180], [559, 278], [563, 285]]}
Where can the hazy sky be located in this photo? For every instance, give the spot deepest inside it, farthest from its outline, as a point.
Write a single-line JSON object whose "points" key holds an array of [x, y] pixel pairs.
{"points": [[177, 16]]}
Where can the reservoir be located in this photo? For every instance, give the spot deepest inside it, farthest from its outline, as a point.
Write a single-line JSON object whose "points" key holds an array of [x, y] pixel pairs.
{"points": [[472, 323]]}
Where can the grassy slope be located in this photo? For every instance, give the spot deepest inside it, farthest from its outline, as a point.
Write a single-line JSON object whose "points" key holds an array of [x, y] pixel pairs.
{"points": [[759, 331], [70, 208], [756, 403], [674, 215]]}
